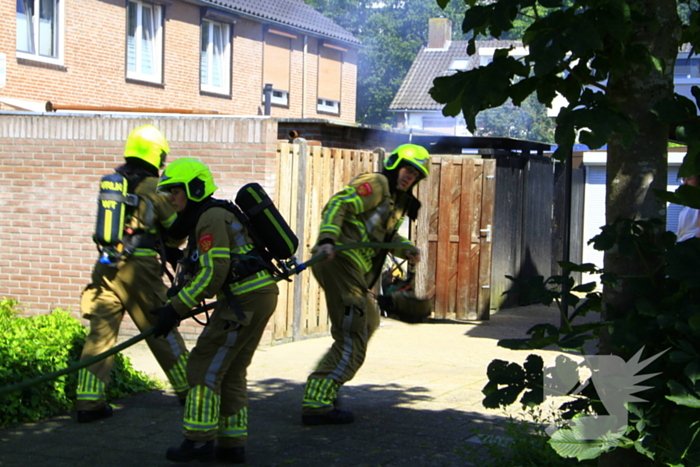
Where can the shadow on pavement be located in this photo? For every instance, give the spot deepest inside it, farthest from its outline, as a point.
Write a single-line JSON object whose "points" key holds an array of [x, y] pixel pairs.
{"points": [[393, 427]]}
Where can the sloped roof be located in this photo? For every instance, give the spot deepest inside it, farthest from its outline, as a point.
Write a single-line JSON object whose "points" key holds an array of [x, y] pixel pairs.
{"points": [[294, 13], [432, 63]]}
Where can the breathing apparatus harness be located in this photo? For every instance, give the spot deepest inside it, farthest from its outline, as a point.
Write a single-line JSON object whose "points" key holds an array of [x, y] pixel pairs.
{"points": [[114, 237], [242, 265]]}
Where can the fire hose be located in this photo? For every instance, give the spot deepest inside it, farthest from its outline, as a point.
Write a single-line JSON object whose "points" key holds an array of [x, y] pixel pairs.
{"points": [[128, 343]]}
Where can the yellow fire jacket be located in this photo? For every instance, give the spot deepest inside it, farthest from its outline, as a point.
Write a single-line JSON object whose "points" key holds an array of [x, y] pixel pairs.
{"points": [[364, 211], [218, 234], [153, 209]]}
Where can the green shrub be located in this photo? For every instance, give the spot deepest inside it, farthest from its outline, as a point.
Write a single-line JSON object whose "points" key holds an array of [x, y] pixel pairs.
{"points": [[34, 346]]}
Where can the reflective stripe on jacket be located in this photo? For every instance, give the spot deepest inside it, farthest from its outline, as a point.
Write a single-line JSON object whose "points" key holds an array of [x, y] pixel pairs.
{"points": [[363, 211], [217, 235]]}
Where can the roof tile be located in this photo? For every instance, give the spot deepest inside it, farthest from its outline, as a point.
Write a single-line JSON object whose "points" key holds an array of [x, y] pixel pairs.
{"points": [[430, 64], [294, 13]]}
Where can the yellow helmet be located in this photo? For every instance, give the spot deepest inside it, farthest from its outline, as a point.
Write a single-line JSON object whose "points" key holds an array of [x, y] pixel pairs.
{"points": [[192, 175], [412, 154], [148, 144]]}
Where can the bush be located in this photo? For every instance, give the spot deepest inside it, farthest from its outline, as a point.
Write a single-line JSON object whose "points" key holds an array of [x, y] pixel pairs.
{"points": [[34, 346], [522, 442]]}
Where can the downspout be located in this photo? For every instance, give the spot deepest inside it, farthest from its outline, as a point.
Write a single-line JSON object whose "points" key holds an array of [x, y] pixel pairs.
{"points": [[303, 76]]}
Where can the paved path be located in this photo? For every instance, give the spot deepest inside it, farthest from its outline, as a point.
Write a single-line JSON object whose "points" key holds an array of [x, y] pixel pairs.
{"points": [[417, 402]]}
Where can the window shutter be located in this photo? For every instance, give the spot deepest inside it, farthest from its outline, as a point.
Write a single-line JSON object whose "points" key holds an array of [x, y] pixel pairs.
{"points": [[276, 62], [329, 73]]}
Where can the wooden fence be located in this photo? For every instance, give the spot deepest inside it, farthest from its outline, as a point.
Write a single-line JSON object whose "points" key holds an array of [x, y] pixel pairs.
{"points": [[453, 231], [307, 177]]}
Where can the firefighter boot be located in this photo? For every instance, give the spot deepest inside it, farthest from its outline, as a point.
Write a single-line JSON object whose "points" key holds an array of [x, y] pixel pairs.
{"points": [[231, 455], [87, 416], [187, 452], [333, 417]]}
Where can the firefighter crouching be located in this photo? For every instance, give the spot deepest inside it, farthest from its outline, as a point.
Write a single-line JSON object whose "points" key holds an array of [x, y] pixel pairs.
{"points": [[128, 275], [216, 407], [369, 209]]}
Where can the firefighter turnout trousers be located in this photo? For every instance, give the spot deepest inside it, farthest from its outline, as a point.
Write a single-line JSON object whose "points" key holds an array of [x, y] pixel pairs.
{"points": [[354, 317], [136, 286], [217, 404]]}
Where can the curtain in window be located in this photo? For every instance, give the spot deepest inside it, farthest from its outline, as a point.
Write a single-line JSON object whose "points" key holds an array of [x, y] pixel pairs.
{"points": [[47, 31], [217, 56], [204, 53], [148, 28], [25, 30], [132, 18]]}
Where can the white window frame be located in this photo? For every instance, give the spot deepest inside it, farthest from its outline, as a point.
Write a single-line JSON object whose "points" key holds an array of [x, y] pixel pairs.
{"points": [[328, 106], [277, 97], [460, 63], [35, 23], [156, 76], [208, 54]]}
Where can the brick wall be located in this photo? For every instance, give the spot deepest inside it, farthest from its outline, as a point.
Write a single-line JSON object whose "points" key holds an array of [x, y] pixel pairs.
{"points": [[50, 166], [95, 65]]}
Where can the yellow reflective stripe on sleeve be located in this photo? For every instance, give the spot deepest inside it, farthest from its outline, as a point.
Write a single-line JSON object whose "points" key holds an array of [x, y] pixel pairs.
{"points": [[330, 228], [219, 252], [197, 285], [347, 195]]}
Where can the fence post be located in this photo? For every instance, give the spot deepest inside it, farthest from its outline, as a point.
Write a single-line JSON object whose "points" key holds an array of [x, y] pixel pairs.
{"points": [[300, 223]]}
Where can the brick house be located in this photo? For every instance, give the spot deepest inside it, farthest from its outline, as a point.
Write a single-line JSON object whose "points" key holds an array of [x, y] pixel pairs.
{"points": [[414, 107], [192, 56]]}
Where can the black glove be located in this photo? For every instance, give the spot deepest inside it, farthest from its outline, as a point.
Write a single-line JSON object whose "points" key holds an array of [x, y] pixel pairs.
{"points": [[167, 320]]}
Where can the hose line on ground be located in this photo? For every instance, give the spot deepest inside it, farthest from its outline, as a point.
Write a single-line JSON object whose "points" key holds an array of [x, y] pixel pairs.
{"points": [[128, 343]]}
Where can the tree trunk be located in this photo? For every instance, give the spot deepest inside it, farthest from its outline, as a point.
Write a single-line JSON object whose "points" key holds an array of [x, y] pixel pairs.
{"points": [[633, 170]]}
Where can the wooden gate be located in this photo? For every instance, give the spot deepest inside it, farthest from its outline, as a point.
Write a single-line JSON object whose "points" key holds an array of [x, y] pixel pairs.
{"points": [[454, 229]]}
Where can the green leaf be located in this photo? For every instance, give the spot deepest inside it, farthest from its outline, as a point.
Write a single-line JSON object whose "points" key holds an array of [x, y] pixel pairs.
{"points": [[588, 287], [675, 109], [681, 396], [565, 443]]}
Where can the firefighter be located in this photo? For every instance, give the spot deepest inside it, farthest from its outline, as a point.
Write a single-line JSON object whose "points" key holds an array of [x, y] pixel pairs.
{"points": [[216, 408], [369, 209], [131, 282]]}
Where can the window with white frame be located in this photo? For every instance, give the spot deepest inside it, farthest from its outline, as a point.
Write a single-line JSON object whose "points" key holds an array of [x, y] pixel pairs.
{"points": [[215, 57], [40, 30], [144, 42], [328, 105]]}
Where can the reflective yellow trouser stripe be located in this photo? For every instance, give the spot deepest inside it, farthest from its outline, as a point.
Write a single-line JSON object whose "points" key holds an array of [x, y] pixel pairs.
{"points": [[235, 425], [177, 374], [202, 409], [90, 387], [320, 392]]}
